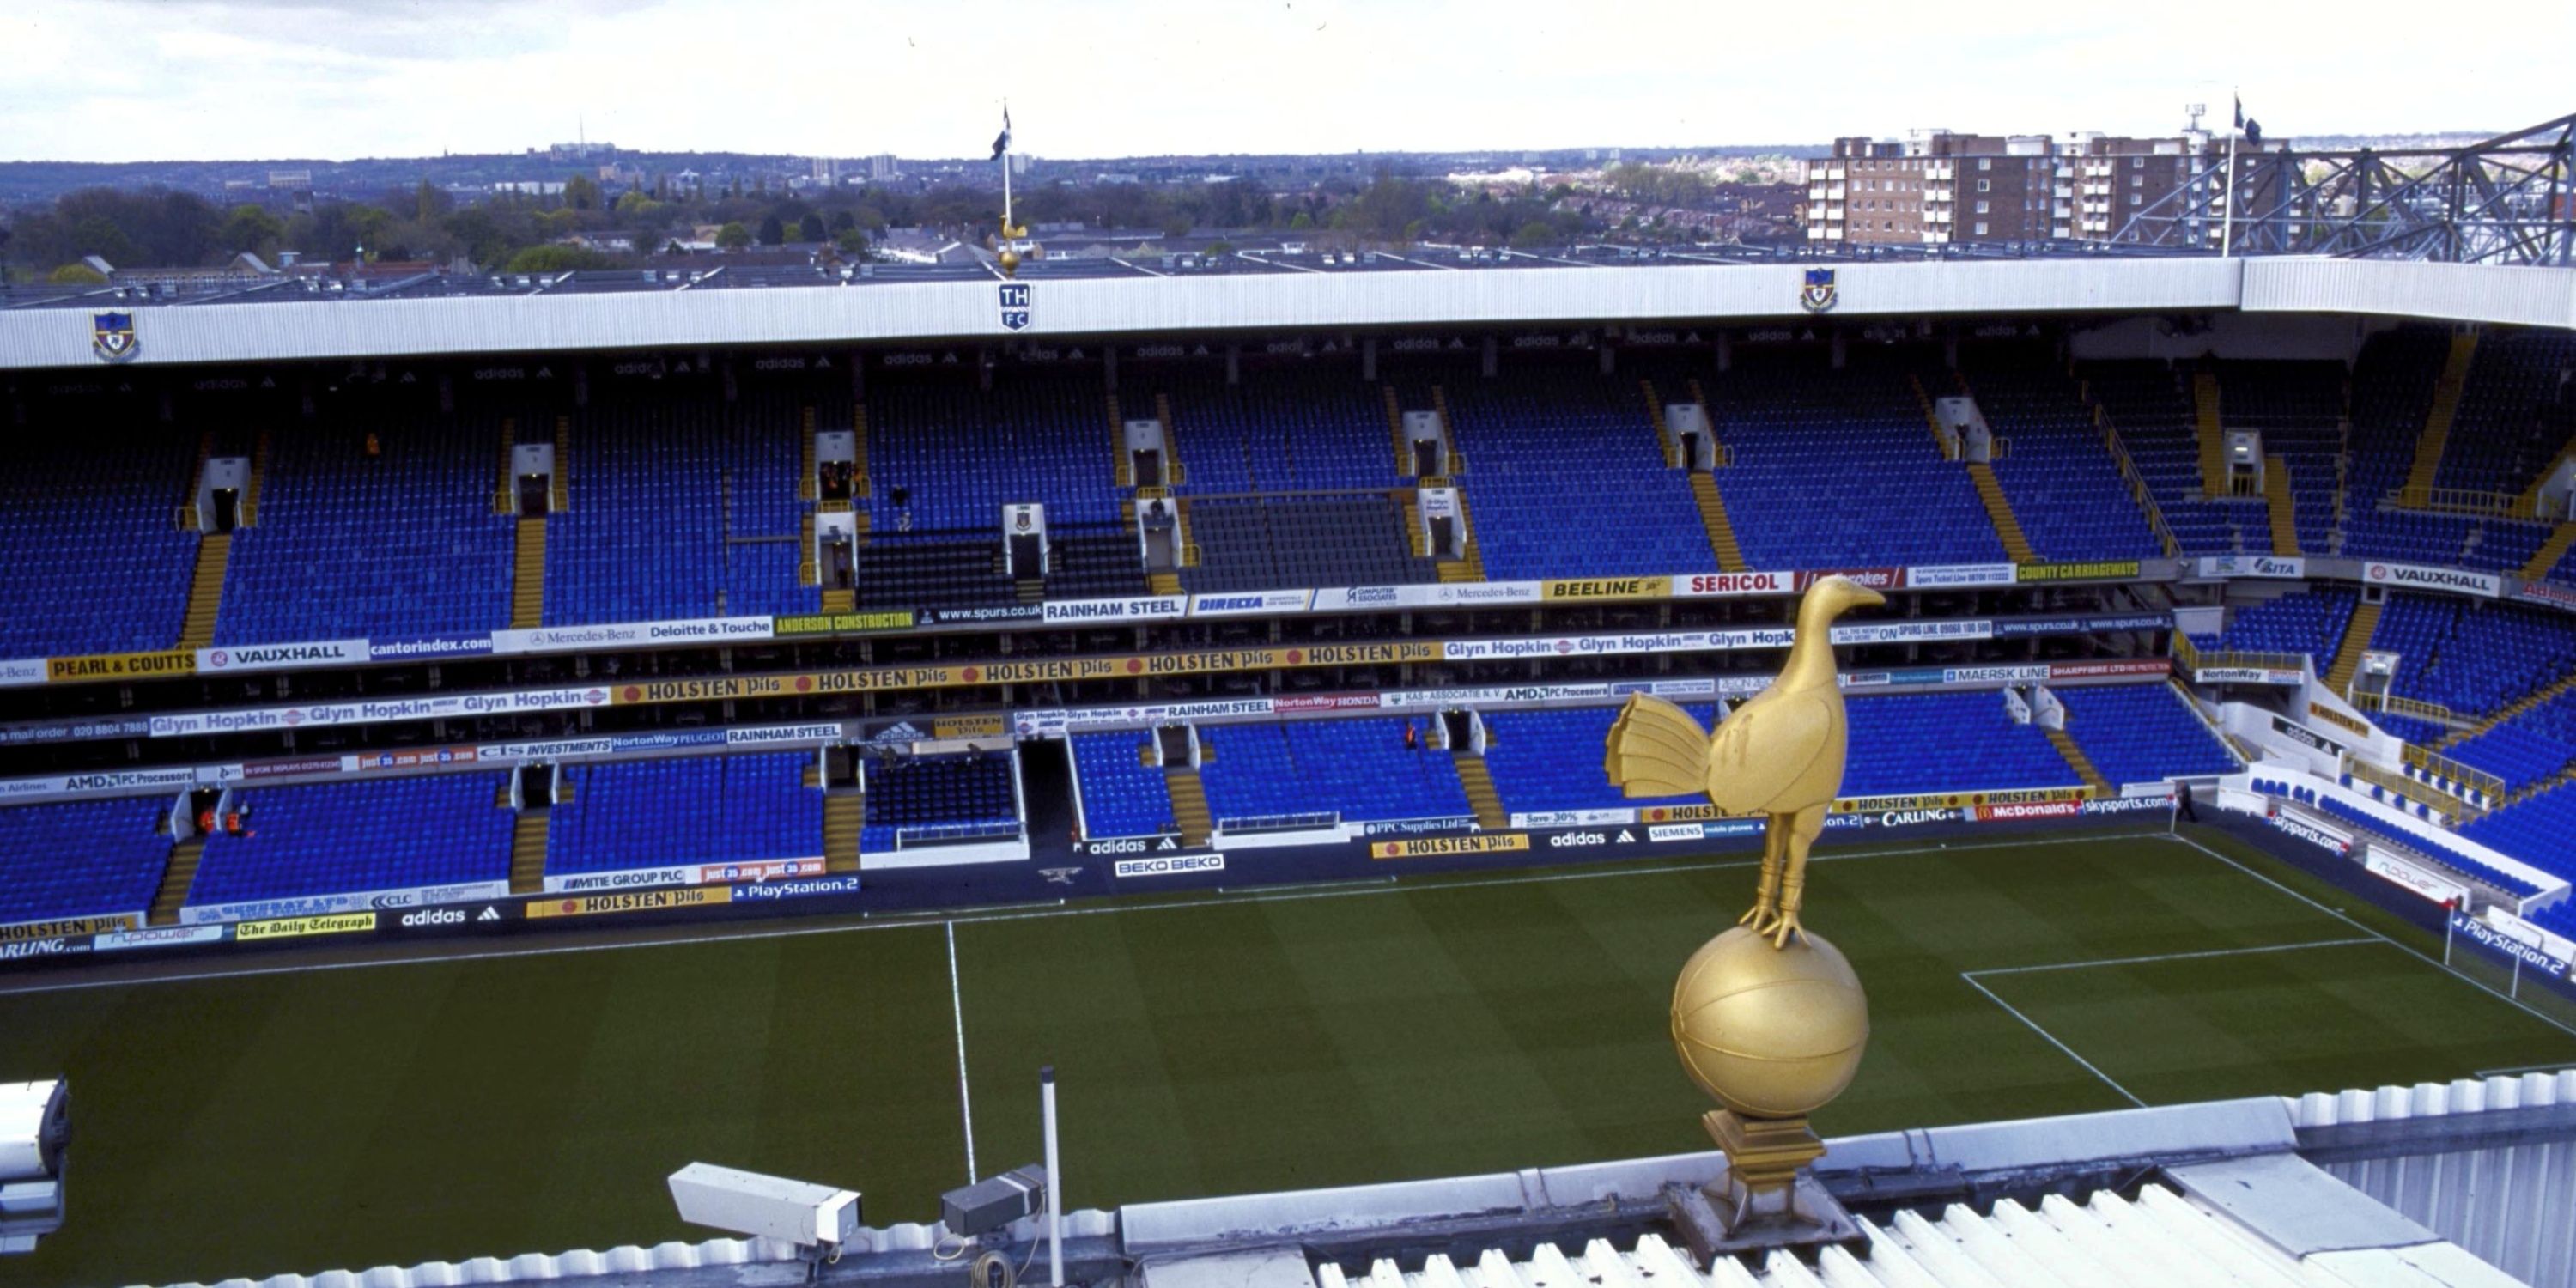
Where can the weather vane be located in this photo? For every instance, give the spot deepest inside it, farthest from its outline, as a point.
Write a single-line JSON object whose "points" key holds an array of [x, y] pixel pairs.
{"points": [[1768, 1017]]}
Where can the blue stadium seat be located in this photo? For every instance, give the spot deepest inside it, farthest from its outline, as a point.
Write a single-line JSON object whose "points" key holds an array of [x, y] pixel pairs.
{"points": [[80, 859], [353, 837], [685, 810], [2143, 733], [1121, 795]]}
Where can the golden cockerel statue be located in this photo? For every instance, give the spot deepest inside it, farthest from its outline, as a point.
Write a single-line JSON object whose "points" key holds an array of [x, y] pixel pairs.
{"points": [[1778, 755]]}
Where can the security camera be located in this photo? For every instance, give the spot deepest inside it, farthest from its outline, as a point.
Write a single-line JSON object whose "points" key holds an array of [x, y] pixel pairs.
{"points": [[816, 1218], [35, 1125], [994, 1202]]}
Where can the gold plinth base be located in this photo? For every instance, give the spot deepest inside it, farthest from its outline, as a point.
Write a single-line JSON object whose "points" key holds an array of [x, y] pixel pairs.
{"points": [[1762, 1154], [1767, 1199]]}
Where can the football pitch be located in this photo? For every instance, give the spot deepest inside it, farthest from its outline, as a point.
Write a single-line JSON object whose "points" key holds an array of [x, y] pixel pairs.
{"points": [[307, 1118]]}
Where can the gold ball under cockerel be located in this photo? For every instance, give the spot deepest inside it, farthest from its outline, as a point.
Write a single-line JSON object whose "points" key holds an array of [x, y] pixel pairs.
{"points": [[1769, 1032]]}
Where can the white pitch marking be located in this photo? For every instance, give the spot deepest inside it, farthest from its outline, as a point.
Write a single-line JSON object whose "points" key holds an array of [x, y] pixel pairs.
{"points": [[2173, 957], [957, 1009], [2051, 1039], [2339, 915]]}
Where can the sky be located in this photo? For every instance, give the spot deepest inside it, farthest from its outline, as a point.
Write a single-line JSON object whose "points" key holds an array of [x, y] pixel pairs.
{"points": [[129, 80]]}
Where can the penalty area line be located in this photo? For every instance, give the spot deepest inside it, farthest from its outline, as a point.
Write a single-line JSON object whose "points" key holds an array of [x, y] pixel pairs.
{"points": [[2401, 946], [2051, 1039]]}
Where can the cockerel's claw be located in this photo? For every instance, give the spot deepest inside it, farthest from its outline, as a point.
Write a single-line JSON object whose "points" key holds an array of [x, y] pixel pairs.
{"points": [[1754, 917], [1781, 930]]}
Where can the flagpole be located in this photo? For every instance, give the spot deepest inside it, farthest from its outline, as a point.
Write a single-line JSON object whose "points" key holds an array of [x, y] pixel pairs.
{"points": [[2227, 222]]}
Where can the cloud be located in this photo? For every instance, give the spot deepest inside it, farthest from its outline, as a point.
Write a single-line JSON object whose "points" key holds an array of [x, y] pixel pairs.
{"points": [[246, 79]]}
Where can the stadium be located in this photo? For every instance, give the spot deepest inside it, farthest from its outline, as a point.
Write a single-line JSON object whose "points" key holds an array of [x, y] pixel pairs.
{"points": [[475, 747]]}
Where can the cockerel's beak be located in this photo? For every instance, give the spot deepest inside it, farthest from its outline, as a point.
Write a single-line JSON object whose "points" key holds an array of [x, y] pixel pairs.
{"points": [[1864, 597]]}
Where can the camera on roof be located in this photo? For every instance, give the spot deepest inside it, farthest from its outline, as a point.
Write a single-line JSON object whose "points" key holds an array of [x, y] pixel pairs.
{"points": [[815, 1218], [35, 1129]]}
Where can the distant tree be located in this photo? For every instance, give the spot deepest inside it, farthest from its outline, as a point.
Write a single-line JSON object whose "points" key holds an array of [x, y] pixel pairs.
{"points": [[853, 241], [1220, 248], [637, 207], [247, 229], [77, 275], [556, 259], [732, 237], [772, 233], [1532, 235], [581, 192], [810, 228], [1177, 226], [99, 235], [1302, 222], [428, 202]]}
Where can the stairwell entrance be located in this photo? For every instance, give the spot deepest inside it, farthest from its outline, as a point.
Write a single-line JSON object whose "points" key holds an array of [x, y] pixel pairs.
{"points": [[1459, 730], [1046, 790]]}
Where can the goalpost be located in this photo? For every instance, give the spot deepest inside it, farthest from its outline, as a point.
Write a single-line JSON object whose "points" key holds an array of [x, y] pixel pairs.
{"points": [[2523, 972]]}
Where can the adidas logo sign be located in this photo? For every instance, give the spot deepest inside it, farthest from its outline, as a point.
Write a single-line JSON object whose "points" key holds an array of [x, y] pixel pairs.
{"points": [[490, 914]]}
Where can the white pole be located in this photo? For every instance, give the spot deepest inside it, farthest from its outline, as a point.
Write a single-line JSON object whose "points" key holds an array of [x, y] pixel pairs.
{"points": [[2227, 225], [1055, 1182]]}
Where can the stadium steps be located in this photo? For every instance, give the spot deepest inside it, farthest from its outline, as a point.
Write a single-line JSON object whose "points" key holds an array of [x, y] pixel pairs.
{"points": [[807, 574], [843, 815], [1174, 473], [1189, 803], [1481, 798], [2438, 416], [1655, 419], [840, 601], [175, 880], [528, 577], [2213, 443], [1395, 431], [806, 488], [1031, 590], [258, 473], [1125, 474], [2555, 688], [1999, 510], [2078, 761], [2356, 639], [1470, 566], [562, 498], [206, 590], [2284, 507], [528, 850], [859, 484], [505, 494], [1931, 419], [2550, 552], [1163, 583], [1721, 530]]}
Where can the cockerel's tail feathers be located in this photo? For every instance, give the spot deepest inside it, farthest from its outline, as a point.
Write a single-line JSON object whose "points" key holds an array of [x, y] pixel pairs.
{"points": [[1656, 749]]}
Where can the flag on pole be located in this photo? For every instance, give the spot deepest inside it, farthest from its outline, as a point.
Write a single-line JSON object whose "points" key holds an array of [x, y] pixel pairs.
{"points": [[2253, 128], [1002, 141]]}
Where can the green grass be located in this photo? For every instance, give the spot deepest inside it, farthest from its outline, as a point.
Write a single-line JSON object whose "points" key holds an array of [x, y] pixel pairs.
{"points": [[351, 1117]]}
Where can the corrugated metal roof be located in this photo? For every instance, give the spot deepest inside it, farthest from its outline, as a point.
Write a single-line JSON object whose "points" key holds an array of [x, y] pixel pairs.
{"points": [[2499, 1189], [2156, 1240]]}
